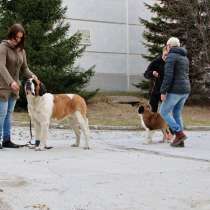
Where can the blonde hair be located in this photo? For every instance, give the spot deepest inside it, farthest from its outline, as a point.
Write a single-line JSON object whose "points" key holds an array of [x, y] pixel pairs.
{"points": [[164, 49], [173, 42], [164, 53]]}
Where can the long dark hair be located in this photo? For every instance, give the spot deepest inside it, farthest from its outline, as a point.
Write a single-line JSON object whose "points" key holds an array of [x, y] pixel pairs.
{"points": [[12, 32]]}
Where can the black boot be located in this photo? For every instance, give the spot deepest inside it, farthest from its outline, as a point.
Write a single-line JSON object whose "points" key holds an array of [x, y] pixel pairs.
{"points": [[9, 144]]}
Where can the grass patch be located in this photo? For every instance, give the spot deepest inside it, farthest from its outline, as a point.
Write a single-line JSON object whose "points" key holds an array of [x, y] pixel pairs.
{"points": [[103, 111]]}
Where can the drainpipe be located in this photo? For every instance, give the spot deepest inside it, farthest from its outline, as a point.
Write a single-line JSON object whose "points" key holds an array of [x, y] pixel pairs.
{"points": [[127, 47]]}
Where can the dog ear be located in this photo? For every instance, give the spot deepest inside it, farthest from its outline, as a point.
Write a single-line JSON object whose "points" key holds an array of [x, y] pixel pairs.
{"points": [[37, 85], [141, 110], [35, 82], [148, 107], [42, 89]]}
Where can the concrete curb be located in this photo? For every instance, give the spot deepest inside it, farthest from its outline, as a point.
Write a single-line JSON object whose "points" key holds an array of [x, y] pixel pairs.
{"points": [[107, 127], [101, 127], [198, 128]]}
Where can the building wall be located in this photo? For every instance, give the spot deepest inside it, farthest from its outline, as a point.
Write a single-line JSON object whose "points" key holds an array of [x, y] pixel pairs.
{"points": [[115, 40]]}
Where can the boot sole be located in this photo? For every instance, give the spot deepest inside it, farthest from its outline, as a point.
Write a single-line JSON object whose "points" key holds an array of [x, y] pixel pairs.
{"points": [[178, 145], [179, 142]]}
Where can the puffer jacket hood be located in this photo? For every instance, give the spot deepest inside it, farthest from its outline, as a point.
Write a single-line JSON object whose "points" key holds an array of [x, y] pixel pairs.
{"points": [[178, 50]]}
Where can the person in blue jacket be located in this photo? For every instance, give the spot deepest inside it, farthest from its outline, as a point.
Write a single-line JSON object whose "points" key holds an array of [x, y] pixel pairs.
{"points": [[175, 89]]}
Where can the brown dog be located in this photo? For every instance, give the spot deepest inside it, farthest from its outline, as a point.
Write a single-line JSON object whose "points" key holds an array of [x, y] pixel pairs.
{"points": [[152, 121]]}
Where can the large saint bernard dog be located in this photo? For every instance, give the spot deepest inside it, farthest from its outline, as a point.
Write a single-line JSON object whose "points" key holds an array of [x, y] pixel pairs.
{"points": [[43, 106]]}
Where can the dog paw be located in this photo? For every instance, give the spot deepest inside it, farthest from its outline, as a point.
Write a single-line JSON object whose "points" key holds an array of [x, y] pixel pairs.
{"points": [[161, 141], [169, 137], [147, 142], [40, 148], [31, 146], [75, 145]]}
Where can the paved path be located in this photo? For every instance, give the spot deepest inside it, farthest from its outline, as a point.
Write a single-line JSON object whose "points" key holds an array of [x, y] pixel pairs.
{"points": [[118, 173]]}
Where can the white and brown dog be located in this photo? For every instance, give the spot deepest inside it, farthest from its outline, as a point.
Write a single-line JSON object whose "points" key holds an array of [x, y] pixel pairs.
{"points": [[43, 106], [152, 121]]}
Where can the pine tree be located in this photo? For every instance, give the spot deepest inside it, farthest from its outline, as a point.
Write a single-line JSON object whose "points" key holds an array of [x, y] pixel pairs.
{"points": [[188, 20], [51, 53]]}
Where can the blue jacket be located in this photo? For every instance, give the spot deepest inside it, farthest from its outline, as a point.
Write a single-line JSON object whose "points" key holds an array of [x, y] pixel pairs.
{"points": [[176, 72]]}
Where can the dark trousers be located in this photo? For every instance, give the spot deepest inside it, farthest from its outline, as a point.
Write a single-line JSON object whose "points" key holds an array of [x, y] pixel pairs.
{"points": [[154, 101]]}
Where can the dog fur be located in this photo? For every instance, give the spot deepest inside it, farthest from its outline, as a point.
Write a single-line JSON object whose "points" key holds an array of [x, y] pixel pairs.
{"points": [[151, 122], [43, 106]]}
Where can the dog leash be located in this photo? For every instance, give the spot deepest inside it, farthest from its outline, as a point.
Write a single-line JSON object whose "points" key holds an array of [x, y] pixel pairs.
{"points": [[37, 142], [29, 143], [30, 127]]}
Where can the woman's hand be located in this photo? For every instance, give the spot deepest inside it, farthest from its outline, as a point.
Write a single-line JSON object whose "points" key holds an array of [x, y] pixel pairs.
{"points": [[163, 97], [34, 77], [15, 87], [155, 74]]}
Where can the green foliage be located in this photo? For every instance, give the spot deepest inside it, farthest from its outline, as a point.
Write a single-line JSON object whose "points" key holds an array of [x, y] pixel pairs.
{"points": [[51, 53], [189, 21], [144, 85]]}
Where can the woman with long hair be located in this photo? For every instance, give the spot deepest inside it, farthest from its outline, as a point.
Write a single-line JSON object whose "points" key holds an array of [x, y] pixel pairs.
{"points": [[12, 63]]}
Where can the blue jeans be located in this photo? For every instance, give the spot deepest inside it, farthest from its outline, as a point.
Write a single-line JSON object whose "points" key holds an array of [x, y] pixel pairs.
{"points": [[6, 110], [171, 110]]}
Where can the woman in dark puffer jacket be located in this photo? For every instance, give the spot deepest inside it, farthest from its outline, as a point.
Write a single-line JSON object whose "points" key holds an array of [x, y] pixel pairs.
{"points": [[175, 89]]}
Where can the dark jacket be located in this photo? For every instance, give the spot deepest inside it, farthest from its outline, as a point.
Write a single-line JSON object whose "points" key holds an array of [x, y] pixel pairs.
{"points": [[156, 65], [176, 72]]}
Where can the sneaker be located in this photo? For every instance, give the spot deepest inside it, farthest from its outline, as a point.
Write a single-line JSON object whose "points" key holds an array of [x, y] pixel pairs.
{"points": [[9, 144]]}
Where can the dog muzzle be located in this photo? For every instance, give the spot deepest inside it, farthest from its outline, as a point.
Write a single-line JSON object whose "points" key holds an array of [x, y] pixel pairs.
{"points": [[28, 88], [141, 110]]}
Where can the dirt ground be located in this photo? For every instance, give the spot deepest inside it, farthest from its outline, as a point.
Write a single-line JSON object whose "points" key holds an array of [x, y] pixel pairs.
{"points": [[113, 111], [110, 110]]}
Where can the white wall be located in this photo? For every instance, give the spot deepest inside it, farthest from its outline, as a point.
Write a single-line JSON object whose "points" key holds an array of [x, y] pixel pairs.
{"points": [[116, 40], [106, 10]]}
